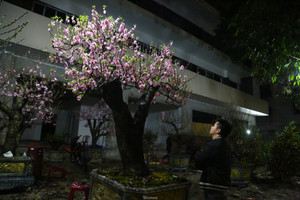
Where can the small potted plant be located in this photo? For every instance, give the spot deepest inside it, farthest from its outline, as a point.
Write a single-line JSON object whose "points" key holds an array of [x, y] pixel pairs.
{"points": [[247, 149], [177, 141], [178, 157], [55, 141]]}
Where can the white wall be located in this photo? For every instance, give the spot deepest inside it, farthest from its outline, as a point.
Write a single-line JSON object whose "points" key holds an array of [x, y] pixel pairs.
{"points": [[37, 37], [208, 95], [186, 46], [33, 133]]}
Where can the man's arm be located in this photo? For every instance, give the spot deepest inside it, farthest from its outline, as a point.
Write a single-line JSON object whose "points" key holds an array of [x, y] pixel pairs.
{"points": [[203, 157]]}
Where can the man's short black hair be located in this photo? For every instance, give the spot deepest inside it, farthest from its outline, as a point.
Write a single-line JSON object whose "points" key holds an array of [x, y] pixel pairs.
{"points": [[225, 127]]}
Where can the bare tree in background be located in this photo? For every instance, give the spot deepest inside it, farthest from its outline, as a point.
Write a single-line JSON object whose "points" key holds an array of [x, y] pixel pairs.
{"points": [[176, 122], [10, 29]]}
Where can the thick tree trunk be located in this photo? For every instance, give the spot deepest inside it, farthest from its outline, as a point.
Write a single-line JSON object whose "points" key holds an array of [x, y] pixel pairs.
{"points": [[129, 129], [16, 124], [14, 133], [95, 138], [95, 129], [94, 141], [130, 144]]}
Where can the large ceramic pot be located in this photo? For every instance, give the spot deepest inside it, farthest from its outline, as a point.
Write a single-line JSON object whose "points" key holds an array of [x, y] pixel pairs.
{"points": [[55, 155], [178, 162], [241, 174], [22, 176], [95, 155], [103, 188]]}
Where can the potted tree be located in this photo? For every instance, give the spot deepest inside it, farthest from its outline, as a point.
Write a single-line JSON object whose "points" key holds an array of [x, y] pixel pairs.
{"points": [[55, 142], [247, 149], [178, 141], [16, 172], [101, 55], [98, 119], [28, 95]]}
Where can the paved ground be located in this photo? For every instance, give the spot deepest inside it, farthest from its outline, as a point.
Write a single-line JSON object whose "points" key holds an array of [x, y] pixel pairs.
{"points": [[263, 187]]}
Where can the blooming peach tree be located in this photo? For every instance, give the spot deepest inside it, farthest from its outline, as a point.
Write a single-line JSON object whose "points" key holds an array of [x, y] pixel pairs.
{"points": [[27, 97], [98, 119], [100, 53]]}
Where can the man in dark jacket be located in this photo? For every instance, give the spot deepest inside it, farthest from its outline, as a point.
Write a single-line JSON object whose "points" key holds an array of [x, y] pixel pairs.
{"points": [[214, 161]]}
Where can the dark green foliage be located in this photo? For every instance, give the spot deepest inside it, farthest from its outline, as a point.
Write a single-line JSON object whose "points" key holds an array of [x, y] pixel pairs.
{"points": [[56, 140], [247, 148], [186, 144], [265, 35], [284, 153], [149, 139]]}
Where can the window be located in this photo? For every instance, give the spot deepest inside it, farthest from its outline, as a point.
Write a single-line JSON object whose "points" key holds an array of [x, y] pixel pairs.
{"points": [[217, 78], [265, 91], [61, 15], [38, 8], [50, 12]]}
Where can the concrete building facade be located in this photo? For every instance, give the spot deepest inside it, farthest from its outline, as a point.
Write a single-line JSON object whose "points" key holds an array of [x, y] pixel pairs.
{"points": [[217, 84]]}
